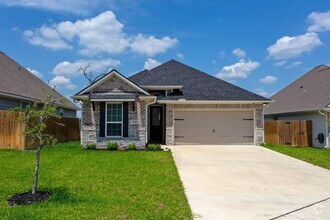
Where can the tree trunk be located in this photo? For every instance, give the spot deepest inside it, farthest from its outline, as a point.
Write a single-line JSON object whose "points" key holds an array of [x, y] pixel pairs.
{"points": [[36, 171]]}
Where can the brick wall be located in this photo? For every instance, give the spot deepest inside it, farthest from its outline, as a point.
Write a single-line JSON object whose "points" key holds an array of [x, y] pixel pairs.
{"points": [[259, 118]]}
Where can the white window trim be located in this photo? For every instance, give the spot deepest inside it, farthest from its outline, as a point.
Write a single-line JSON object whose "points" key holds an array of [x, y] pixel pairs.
{"points": [[106, 119]]}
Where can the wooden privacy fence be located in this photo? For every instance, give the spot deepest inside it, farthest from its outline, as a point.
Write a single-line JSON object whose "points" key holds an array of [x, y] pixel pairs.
{"points": [[11, 131], [294, 133]]}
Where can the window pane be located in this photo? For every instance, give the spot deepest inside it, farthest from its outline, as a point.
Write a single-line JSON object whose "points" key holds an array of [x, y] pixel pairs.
{"points": [[114, 112], [113, 129]]}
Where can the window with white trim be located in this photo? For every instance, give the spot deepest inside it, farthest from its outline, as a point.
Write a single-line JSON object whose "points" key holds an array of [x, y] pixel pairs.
{"points": [[114, 120]]}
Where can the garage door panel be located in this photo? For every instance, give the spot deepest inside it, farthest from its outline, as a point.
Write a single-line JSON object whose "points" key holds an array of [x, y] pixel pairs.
{"points": [[214, 127]]}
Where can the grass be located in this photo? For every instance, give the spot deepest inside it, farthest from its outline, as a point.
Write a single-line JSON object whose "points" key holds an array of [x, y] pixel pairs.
{"points": [[318, 157], [88, 184]]}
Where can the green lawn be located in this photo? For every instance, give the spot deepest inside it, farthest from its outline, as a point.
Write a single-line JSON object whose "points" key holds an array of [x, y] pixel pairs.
{"points": [[318, 157], [89, 184]]}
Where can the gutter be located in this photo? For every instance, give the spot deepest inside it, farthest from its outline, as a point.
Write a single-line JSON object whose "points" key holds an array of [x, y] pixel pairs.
{"points": [[326, 127], [184, 101]]}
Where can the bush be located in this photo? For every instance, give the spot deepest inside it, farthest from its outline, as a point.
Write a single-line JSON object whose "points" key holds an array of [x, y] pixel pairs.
{"points": [[112, 145], [153, 147], [91, 146], [131, 146]]}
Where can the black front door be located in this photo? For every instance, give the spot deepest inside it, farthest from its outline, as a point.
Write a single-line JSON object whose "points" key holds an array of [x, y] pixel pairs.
{"points": [[156, 124]]}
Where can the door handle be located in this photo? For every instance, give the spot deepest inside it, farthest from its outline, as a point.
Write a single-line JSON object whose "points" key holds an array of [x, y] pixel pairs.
{"points": [[213, 130]]}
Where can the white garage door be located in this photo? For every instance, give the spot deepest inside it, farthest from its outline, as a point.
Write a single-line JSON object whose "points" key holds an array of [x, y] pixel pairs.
{"points": [[214, 127]]}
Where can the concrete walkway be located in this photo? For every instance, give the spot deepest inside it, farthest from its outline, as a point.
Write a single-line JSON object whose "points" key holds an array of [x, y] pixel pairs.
{"points": [[249, 182]]}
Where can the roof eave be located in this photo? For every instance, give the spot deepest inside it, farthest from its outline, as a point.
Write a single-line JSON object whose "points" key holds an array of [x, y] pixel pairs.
{"points": [[300, 111], [18, 97], [214, 102], [80, 97], [161, 87]]}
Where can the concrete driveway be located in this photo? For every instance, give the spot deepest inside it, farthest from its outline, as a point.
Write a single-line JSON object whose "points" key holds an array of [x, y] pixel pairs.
{"points": [[250, 182]]}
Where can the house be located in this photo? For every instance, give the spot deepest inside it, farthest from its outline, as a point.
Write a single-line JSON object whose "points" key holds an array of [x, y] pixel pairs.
{"points": [[307, 98], [19, 87], [170, 104]]}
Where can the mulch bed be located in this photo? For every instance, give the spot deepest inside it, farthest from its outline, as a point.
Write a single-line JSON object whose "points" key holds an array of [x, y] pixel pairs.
{"points": [[28, 198]]}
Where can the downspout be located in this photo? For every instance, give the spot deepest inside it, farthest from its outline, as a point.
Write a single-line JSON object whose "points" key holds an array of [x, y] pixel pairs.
{"points": [[326, 128], [80, 102], [147, 121]]}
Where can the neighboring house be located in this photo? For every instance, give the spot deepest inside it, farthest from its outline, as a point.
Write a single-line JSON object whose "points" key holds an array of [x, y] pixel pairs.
{"points": [[170, 104], [307, 98], [19, 87]]}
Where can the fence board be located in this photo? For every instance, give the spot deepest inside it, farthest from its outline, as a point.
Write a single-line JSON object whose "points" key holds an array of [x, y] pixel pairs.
{"points": [[11, 131], [294, 133]]}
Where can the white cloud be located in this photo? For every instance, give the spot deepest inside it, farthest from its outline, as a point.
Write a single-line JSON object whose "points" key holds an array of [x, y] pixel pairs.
{"points": [[319, 21], [59, 80], [68, 6], [240, 69], [180, 56], [280, 63], [62, 81], [100, 34], [268, 79], [262, 92], [69, 69], [35, 72], [151, 63], [71, 86], [47, 37], [239, 52], [294, 64], [290, 47], [151, 46]]}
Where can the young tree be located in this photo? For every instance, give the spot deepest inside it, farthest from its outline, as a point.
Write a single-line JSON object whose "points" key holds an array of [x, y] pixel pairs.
{"points": [[35, 116]]}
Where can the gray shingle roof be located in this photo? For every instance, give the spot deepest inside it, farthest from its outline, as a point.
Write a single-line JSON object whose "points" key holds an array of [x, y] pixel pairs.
{"points": [[309, 92], [196, 85], [16, 80]]}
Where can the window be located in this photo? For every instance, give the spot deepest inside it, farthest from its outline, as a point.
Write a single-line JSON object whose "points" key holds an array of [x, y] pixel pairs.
{"points": [[114, 119], [61, 111]]}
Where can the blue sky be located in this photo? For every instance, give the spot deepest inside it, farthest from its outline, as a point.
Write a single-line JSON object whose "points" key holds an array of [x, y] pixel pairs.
{"points": [[259, 45]]}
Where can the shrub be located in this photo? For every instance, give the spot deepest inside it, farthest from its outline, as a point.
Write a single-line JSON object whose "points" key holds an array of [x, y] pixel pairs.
{"points": [[153, 147], [112, 145], [131, 146], [91, 146]]}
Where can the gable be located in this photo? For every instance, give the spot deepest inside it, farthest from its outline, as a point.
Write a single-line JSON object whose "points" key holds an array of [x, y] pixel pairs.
{"points": [[112, 82]]}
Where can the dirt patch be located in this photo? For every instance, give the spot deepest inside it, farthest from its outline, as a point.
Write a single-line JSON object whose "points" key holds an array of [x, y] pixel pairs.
{"points": [[28, 198]]}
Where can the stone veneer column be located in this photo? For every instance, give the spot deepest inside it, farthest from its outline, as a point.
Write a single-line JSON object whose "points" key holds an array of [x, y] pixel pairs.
{"points": [[169, 115], [259, 125], [88, 128]]}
